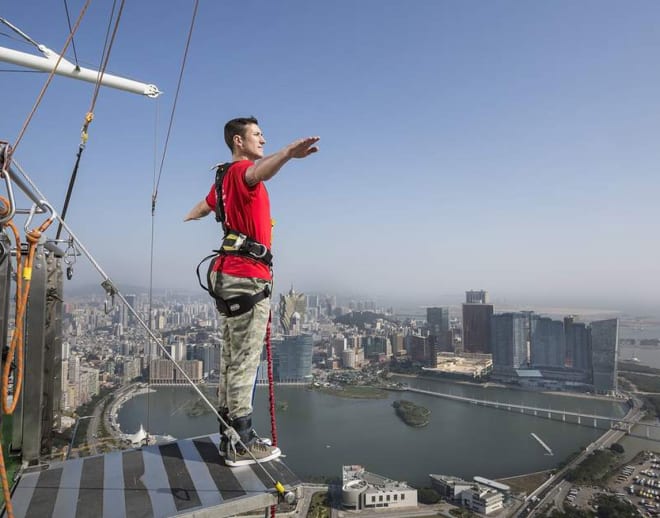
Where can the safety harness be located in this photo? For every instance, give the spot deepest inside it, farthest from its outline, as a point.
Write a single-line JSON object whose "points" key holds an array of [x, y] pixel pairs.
{"points": [[233, 243]]}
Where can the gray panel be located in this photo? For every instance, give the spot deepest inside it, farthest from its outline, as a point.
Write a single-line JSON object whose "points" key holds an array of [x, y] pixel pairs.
{"points": [[23, 493], [114, 498], [156, 482], [34, 360], [206, 489], [67, 497]]}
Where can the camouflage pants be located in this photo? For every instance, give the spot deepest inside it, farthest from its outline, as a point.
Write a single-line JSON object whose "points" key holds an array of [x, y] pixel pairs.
{"points": [[243, 338]]}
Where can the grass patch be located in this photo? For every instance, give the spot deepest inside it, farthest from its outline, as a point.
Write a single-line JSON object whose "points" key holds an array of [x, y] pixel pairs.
{"points": [[644, 382], [526, 483], [636, 367], [319, 506], [411, 414]]}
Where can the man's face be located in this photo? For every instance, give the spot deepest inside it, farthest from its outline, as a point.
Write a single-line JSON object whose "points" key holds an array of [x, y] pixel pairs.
{"points": [[252, 143]]}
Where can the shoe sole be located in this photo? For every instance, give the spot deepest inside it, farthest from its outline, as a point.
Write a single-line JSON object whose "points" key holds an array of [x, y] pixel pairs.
{"points": [[246, 462]]}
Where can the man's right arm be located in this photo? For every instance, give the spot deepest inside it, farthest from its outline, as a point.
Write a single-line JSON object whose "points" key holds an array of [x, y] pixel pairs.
{"points": [[268, 166], [198, 211]]}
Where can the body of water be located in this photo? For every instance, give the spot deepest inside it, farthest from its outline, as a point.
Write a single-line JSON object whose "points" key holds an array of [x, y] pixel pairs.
{"points": [[319, 433]]}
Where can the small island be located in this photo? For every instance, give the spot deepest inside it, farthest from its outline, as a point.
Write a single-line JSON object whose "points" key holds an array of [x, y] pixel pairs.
{"points": [[411, 414]]}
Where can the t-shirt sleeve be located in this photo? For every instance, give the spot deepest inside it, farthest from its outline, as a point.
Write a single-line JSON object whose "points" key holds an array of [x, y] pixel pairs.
{"points": [[212, 198], [236, 178]]}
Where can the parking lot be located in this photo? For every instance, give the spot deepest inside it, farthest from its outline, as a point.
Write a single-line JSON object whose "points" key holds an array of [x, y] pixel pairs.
{"points": [[638, 483]]}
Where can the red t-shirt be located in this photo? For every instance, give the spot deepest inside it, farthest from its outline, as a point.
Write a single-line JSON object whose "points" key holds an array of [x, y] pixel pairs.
{"points": [[247, 210]]}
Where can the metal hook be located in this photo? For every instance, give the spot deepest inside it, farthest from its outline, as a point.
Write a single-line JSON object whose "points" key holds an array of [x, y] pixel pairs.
{"points": [[10, 191], [70, 254], [33, 210], [111, 291]]}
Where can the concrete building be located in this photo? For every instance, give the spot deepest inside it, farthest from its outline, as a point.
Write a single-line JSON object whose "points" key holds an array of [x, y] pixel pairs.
{"points": [[604, 350], [450, 487], [161, 370], [292, 359], [547, 342], [578, 345], [509, 341], [364, 490], [481, 497], [476, 322], [483, 500], [437, 320]]}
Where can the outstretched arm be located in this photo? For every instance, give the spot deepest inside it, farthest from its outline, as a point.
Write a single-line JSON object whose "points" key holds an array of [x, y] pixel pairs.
{"points": [[198, 211], [268, 166]]}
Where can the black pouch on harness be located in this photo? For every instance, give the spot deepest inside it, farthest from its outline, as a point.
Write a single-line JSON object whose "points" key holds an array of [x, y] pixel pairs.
{"points": [[233, 306]]}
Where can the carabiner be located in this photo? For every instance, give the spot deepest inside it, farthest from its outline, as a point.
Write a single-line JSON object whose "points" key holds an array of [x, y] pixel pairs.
{"points": [[70, 253], [33, 210]]}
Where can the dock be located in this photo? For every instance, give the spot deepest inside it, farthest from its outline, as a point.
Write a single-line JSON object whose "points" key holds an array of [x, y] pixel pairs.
{"points": [[545, 446], [183, 478]]}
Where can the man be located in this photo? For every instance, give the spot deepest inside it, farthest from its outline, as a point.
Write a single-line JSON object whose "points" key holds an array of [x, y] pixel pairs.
{"points": [[241, 275]]}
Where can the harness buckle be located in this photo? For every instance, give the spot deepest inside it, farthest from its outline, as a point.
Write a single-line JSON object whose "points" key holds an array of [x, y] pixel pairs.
{"points": [[261, 254], [238, 242]]}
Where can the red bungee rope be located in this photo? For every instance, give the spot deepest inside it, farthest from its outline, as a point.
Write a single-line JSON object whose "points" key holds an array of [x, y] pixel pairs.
{"points": [[271, 393]]}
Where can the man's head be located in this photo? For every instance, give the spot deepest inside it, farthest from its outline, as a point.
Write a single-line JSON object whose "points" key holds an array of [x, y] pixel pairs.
{"points": [[244, 138]]}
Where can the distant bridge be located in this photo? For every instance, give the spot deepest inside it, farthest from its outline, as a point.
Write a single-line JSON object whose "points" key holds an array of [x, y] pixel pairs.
{"points": [[620, 423]]}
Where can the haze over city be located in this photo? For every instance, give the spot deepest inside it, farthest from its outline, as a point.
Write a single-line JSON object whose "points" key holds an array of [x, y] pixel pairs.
{"points": [[464, 145]]}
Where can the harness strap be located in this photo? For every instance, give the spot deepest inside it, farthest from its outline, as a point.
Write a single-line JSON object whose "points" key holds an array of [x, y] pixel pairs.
{"points": [[236, 243], [234, 306], [240, 304]]}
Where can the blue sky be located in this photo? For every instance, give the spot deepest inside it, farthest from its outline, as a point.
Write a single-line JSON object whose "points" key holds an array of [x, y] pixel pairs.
{"points": [[506, 146]]}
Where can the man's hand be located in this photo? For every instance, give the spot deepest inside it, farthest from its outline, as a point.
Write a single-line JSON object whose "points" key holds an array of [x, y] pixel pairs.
{"points": [[303, 147]]}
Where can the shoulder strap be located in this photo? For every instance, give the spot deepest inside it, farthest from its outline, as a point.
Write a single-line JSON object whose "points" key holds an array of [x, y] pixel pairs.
{"points": [[220, 173]]}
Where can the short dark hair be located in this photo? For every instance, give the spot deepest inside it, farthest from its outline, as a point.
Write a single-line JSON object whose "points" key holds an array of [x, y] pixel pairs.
{"points": [[237, 127]]}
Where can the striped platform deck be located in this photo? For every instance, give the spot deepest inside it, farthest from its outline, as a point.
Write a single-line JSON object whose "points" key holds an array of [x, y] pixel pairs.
{"points": [[184, 478]]}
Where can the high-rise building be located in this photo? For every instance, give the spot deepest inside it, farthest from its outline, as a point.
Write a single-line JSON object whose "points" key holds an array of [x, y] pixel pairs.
{"points": [[604, 349], [476, 322], [547, 342], [161, 370], [578, 346], [418, 348], [509, 340], [437, 320], [476, 297], [292, 359], [292, 309]]}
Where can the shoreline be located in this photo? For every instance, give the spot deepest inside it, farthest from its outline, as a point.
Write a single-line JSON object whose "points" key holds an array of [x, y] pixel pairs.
{"points": [[491, 384]]}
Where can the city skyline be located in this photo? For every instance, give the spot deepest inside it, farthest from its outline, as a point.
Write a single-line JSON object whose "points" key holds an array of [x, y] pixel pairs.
{"points": [[513, 145]]}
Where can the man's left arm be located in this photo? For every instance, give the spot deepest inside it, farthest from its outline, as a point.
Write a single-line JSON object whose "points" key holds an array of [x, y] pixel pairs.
{"points": [[198, 211]]}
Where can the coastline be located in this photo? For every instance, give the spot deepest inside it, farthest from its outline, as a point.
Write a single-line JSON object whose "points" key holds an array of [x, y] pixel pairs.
{"points": [[492, 384], [120, 397]]}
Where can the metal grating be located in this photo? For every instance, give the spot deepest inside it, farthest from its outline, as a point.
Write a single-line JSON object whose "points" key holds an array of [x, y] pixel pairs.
{"points": [[183, 478]]}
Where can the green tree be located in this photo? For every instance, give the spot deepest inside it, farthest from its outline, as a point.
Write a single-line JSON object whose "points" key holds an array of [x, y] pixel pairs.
{"points": [[617, 448], [427, 495]]}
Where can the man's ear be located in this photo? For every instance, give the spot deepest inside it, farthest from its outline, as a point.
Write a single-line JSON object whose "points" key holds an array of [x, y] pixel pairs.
{"points": [[238, 140]]}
